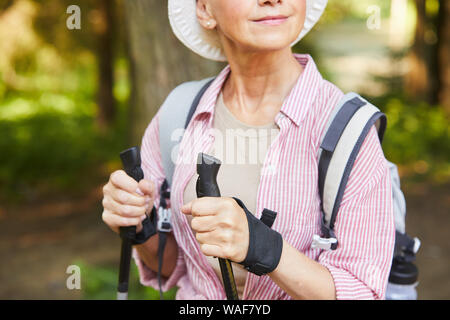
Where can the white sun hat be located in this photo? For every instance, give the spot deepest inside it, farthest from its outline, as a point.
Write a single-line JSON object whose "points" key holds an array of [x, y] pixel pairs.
{"points": [[184, 23]]}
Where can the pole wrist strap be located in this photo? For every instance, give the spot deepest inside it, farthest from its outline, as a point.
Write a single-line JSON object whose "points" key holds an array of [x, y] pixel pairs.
{"points": [[265, 244], [148, 230]]}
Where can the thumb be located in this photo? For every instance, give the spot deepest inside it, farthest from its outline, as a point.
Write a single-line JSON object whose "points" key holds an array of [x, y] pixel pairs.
{"points": [[187, 208], [147, 187]]}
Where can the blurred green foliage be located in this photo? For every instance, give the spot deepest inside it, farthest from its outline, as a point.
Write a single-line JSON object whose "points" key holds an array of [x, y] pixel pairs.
{"points": [[417, 135], [100, 283], [49, 137], [351, 10]]}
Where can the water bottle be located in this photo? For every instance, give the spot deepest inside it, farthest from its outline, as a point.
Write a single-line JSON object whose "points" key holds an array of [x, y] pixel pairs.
{"points": [[402, 280]]}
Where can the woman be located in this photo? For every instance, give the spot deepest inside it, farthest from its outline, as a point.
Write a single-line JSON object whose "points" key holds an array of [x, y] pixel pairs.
{"points": [[281, 96]]}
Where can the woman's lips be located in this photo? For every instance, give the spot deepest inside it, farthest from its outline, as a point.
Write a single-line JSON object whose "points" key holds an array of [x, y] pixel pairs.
{"points": [[272, 21]]}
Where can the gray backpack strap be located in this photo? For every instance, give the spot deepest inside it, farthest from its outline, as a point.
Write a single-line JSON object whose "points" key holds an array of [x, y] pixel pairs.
{"points": [[399, 203], [175, 114], [405, 245], [345, 132]]}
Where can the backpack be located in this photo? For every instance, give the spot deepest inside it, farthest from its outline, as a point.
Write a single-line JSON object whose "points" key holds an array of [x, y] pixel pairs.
{"points": [[349, 124]]}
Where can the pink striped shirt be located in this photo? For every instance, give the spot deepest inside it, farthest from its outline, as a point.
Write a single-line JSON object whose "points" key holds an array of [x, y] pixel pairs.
{"points": [[364, 226]]}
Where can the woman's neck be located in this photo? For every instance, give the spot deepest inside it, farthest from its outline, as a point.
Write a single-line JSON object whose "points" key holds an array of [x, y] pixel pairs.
{"points": [[258, 84]]}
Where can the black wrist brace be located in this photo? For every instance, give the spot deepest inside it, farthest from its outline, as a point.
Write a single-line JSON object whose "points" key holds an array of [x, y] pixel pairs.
{"points": [[265, 245], [148, 229]]}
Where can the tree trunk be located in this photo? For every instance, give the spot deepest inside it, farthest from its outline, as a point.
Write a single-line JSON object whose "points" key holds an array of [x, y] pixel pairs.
{"points": [[158, 60], [105, 54], [443, 52], [417, 79], [4, 5]]}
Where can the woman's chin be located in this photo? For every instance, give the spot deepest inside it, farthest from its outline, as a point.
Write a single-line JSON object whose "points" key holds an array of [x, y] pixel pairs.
{"points": [[270, 46], [273, 41]]}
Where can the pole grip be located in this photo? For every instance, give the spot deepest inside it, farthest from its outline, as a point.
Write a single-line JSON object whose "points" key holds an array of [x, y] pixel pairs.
{"points": [[206, 186], [131, 162]]}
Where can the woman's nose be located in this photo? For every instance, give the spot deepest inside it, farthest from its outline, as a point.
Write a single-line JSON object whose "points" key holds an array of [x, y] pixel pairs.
{"points": [[269, 2]]}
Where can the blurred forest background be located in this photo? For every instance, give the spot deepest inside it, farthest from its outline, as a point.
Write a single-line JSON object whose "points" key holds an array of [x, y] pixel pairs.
{"points": [[72, 99]]}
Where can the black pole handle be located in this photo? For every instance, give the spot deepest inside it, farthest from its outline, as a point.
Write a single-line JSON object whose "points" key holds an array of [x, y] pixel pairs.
{"points": [[206, 186], [131, 161], [207, 170]]}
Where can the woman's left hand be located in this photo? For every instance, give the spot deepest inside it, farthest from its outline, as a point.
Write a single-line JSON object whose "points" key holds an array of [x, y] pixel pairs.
{"points": [[221, 227]]}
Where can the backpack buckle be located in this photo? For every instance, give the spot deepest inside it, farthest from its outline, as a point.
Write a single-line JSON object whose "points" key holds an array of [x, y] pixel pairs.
{"points": [[164, 215], [323, 243]]}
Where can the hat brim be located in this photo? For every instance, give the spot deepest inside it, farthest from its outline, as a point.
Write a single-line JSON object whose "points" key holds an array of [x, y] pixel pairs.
{"points": [[206, 43]]}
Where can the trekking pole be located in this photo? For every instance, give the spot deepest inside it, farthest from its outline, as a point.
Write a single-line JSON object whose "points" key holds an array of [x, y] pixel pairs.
{"points": [[131, 161], [207, 169]]}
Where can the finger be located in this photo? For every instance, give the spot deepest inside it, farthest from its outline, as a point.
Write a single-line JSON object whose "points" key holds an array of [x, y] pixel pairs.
{"points": [[205, 237], [206, 206], [123, 209], [204, 223], [121, 180], [187, 208], [125, 197], [115, 221], [216, 237], [211, 250]]}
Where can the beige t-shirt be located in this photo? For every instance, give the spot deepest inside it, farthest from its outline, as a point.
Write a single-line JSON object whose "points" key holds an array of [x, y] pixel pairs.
{"points": [[242, 149]]}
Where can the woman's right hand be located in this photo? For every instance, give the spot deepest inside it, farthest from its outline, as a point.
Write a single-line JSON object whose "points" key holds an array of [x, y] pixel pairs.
{"points": [[125, 201]]}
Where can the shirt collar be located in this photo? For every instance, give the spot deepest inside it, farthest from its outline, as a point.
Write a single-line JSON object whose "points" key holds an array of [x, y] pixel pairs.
{"points": [[295, 105]]}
